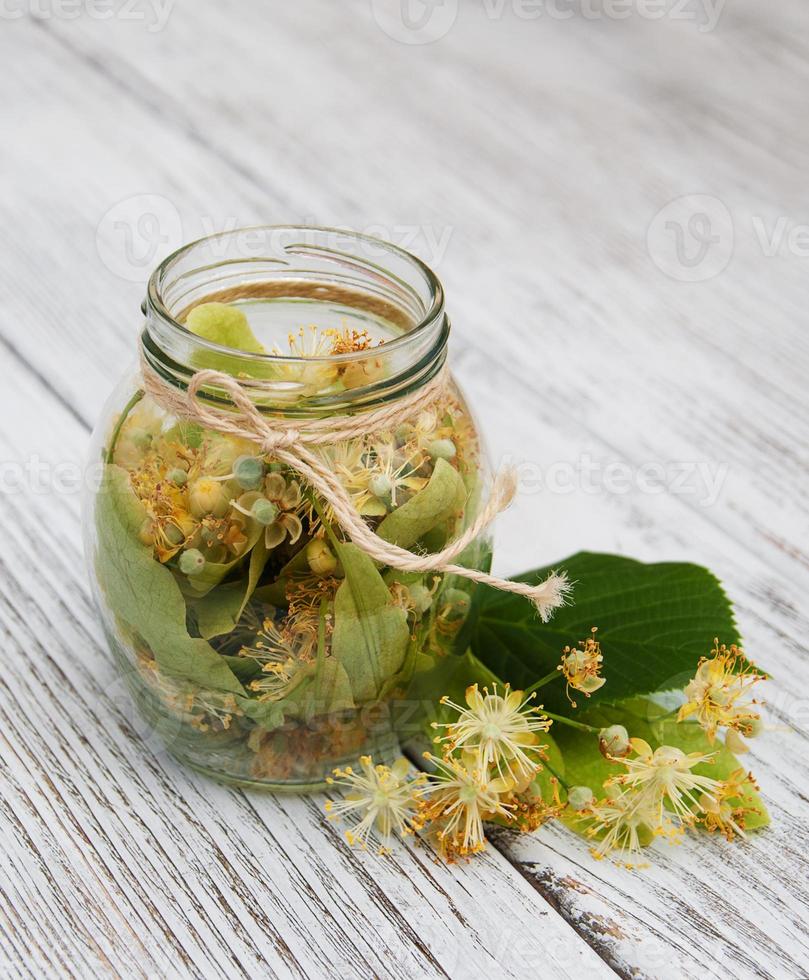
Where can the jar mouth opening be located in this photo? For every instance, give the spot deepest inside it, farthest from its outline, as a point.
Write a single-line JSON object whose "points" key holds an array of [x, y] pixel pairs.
{"points": [[297, 254]]}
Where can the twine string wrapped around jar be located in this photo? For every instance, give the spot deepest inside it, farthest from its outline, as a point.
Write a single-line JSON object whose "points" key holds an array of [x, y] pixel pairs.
{"points": [[289, 442]]}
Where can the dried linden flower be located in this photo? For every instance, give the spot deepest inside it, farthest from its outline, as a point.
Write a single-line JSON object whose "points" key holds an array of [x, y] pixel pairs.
{"points": [[206, 496], [320, 557]]}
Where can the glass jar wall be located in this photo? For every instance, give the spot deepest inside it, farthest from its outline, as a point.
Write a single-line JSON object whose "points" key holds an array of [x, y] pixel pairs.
{"points": [[259, 642]]}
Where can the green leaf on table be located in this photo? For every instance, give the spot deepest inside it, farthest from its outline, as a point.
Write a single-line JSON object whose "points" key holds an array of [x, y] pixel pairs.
{"points": [[443, 496], [654, 623], [371, 635], [144, 595]]}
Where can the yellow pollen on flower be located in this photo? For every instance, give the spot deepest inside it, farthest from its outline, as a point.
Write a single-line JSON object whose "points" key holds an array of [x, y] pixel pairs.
{"points": [[664, 774], [623, 826], [581, 666], [501, 730], [382, 799], [457, 799], [717, 694], [725, 811]]}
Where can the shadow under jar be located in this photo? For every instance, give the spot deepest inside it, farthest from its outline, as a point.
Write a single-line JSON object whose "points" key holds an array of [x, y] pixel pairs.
{"points": [[260, 645]]}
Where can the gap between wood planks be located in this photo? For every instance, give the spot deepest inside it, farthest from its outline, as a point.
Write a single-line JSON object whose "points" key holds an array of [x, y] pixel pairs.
{"points": [[422, 881]]}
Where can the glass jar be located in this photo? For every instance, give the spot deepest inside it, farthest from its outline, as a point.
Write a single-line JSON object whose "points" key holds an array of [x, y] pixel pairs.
{"points": [[261, 645]]}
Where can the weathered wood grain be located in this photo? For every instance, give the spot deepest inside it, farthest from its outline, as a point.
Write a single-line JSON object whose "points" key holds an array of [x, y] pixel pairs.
{"points": [[546, 148], [150, 870]]}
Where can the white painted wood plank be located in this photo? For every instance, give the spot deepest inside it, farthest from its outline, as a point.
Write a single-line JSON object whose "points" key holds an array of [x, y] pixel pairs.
{"points": [[596, 126], [151, 869]]}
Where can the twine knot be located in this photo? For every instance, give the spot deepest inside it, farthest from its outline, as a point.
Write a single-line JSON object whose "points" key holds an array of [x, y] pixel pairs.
{"points": [[290, 444], [274, 440]]}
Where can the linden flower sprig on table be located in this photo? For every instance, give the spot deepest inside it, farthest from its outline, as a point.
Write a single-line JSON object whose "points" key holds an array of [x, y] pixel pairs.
{"points": [[659, 794], [492, 755], [384, 798]]}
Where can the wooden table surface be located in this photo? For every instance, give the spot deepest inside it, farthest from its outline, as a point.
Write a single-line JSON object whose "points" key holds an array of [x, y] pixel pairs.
{"points": [[644, 358]]}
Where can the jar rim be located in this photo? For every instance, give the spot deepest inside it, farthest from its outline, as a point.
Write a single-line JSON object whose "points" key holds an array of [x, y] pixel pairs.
{"points": [[155, 304]]}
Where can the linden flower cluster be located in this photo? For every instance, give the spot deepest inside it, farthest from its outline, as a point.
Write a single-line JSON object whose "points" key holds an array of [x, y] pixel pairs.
{"points": [[717, 696], [661, 793], [492, 754]]}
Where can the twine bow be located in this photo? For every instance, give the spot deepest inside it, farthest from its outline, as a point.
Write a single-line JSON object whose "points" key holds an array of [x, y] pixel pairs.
{"points": [[289, 442]]}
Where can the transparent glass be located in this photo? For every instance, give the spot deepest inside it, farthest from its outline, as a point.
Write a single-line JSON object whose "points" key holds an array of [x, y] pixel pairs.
{"points": [[258, 644]]}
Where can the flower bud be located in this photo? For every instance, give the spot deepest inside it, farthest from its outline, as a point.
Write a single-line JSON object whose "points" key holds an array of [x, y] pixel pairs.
{"points": [[206, 496], [320, 557], [420, 596], [613, 742], [264, 511], [579, 798], [146, 533], [191, 562], [441, 449], [380, 486], [248, 471], [177, 476]]}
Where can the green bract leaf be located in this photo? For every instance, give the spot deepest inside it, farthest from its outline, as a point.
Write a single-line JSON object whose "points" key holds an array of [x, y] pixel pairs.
{"points": [[218, 612], [144, 595], [443, 496], [274, 594], [223, 324], [370, 634], [654, 623]]}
